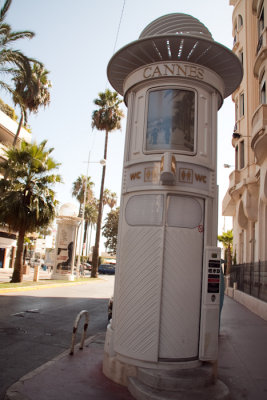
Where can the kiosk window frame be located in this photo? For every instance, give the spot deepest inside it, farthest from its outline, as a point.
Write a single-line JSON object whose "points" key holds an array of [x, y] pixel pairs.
{"points": [[145, 210], [164, 132]]}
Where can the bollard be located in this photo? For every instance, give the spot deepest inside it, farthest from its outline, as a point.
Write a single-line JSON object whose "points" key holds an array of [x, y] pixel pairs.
{"points": [[74, 331], [36, 273]]}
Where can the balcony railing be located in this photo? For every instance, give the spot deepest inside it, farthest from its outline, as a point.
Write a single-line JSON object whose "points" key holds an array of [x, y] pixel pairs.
{"points": [[259, 119]]}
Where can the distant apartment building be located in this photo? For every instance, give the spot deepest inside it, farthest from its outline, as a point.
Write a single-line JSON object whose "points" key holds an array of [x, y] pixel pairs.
{"points": [[8, 129], [246, 197]]}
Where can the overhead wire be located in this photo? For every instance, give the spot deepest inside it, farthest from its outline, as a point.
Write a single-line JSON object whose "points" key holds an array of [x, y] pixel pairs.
{"points": [[118, 31]]}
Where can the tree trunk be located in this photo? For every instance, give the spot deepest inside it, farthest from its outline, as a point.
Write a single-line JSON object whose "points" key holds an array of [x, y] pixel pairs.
{"points": [[99, 217], [229, 260], [84, 237], [16, 138], [18, 267], [18, 130], [89, 240]]}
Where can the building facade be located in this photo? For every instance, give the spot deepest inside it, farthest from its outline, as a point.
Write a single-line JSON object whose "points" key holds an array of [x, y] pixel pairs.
{"points": [[246, 197], [8, 129]]}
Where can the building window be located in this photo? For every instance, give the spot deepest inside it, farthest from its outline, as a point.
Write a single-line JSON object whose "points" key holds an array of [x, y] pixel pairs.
{"points": [[242, 105], [263, 93], [240, 21], [241, 56], [236, 110], [241, 247], [171, 120], [236, 157], [242, 154], [235, 33], [261, 22], [262, 89], [260, 29]]}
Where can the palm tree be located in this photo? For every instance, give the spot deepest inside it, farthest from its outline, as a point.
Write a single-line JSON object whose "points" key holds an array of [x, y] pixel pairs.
{"points": [[30, 94], [82, 191], [90, 216], [227, 241], [106, 118], [78, 190], [27, 200], [11, 60], [109, 198]]}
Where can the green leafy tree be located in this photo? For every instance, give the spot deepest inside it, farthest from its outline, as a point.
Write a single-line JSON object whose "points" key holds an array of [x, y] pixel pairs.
{"points": [[110, 230], [27, 200], [106, 118], [11, 61], [227, 241], [30, 94]]}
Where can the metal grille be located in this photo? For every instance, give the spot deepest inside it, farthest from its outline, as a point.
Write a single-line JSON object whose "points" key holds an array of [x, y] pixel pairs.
{"points": [[251, 279]]}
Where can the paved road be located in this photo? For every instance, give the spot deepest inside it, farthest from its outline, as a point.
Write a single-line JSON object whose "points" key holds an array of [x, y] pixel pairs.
{"points": [[36, 325]]}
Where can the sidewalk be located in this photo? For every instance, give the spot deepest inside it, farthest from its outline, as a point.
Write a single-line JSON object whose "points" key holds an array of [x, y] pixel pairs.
{"points": [[6, 274], [242, 365], [243, 352]]}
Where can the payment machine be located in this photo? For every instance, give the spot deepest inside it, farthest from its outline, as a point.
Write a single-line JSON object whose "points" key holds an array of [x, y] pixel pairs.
{"points": [[210, 304]]}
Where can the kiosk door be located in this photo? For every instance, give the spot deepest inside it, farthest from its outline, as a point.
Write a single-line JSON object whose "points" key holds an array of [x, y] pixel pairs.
{"points": [[182, 278]]}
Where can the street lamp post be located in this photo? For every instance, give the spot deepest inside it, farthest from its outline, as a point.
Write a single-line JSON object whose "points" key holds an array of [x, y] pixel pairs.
{"points": [[102, 162]]}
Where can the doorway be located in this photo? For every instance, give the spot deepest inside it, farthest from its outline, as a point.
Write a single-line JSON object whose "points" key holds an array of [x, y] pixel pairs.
{"points": [[182, 278], [2, 257]]}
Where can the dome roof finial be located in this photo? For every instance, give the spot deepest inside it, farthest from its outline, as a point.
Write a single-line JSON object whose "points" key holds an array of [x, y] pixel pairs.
{"points": [[176, 24]]}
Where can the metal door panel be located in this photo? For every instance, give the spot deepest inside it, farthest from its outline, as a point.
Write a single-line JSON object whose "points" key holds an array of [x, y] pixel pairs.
{"points": [[181, 292]]}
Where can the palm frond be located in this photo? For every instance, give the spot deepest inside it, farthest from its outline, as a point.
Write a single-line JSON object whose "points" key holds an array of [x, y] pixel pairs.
{"points": [[4, 9]]}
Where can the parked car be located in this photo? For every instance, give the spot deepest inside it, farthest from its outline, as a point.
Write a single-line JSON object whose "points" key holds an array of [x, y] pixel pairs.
{"points": [[87, 266], [106, 269]]}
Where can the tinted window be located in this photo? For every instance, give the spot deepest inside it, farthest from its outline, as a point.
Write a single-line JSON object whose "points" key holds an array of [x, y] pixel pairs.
{"points": [[171, 120]]}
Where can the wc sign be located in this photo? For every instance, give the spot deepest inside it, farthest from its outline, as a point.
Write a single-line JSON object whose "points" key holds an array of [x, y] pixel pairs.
{"points": [[186, 175]]}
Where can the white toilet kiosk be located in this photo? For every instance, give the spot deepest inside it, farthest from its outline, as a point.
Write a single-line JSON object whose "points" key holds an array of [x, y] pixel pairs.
{"points": [[166, 302]]}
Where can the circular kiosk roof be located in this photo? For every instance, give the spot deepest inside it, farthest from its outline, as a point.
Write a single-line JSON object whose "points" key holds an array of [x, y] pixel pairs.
{"points": [[176, 37]]}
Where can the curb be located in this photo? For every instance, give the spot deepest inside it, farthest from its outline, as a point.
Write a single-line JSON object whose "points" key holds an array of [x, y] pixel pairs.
{"points": [[45, 286]]}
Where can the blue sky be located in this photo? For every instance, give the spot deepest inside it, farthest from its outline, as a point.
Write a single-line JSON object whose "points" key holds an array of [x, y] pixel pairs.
{"points": [[75, 40]]}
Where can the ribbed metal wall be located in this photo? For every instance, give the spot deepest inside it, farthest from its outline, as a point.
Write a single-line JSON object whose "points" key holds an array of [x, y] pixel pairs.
{"points": [[138, 295], [180, 309]]}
